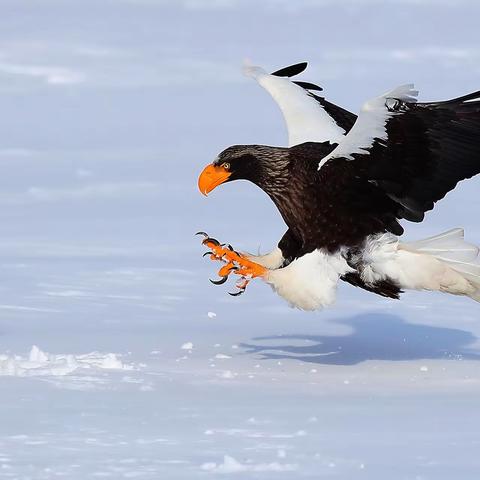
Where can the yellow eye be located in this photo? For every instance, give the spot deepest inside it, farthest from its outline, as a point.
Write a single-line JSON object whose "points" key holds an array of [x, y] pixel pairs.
{"points": [[226, 166]]}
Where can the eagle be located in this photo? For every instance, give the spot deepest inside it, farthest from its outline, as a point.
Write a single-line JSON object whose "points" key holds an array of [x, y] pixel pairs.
{"points": [[345, 184]]}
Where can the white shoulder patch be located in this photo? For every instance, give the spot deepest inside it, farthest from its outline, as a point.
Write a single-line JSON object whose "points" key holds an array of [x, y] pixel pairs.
{"points": [[306, 119], [371, 122]]}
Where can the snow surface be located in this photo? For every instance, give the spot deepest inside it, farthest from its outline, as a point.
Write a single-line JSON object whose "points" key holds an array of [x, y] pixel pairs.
{"points": [[109, 111]]}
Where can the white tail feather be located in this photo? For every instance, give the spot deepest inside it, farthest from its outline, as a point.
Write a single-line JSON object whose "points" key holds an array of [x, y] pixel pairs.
{"points": [[447, 246], [451, 249]]}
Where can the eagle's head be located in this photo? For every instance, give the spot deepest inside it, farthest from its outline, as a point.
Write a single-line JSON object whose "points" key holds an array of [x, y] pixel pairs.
{"points": [[262, 165]]}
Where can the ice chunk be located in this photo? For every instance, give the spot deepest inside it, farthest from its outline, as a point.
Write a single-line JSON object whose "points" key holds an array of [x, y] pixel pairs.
{"points": [[36, 355], [231, 465]]}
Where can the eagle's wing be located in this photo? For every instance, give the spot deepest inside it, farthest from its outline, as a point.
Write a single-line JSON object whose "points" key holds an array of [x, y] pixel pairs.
{"points": [[414, 153], [309, 117]]}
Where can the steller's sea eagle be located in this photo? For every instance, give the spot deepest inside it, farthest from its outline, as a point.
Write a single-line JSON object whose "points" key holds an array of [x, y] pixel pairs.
{"points": [[342, 185]]}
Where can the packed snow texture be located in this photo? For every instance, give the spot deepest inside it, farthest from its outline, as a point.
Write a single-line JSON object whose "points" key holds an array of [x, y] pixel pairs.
{"points": [[109, 112]]}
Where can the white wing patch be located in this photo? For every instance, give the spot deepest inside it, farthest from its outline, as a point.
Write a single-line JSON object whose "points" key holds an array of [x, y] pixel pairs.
{"points": [[371, 123], [306, 119]]}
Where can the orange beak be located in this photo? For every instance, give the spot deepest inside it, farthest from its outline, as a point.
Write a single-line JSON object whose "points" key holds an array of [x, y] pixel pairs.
{"points": [[212, 176]]}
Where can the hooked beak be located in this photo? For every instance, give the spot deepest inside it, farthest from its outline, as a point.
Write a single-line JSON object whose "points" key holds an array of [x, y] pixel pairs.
{"points": [[211, 177]]}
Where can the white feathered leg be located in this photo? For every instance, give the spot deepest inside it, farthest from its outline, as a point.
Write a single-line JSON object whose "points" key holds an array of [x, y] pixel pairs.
{"points": [[271, 260], [309, 282]]}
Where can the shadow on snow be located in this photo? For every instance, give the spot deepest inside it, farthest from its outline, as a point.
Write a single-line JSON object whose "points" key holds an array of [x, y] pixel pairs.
{"points": [[374, 337]]}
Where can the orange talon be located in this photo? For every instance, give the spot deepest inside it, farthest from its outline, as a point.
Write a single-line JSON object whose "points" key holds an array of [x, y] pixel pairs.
{"points": [[220, 252], [234, 262], [249, 269], [226, 270]]}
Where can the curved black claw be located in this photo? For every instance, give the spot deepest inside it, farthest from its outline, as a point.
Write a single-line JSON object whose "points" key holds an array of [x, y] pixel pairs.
{"points": [[221, 281], [231, 249], [212, 240], [207, 253], [202, 233], [238, 293]]}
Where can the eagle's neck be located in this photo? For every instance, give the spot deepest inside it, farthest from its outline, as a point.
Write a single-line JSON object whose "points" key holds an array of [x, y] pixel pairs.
{"points": [[296, 200], [274, 175], [294, 186]]}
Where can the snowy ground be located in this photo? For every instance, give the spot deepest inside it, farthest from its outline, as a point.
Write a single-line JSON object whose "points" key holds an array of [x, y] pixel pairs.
{"points": [[118, 359], [370, 388]]}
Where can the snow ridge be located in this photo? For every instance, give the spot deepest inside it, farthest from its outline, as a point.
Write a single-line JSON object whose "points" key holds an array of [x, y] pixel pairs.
{"points": [[40, 363]]}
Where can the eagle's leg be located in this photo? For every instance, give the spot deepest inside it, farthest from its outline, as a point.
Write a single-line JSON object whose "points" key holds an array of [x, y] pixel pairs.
{"points": [[235, 263], [218, 251], [224, 272], [248, 269], [241, 285]]}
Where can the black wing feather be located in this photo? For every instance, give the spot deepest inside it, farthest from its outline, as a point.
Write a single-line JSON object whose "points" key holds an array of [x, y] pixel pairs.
{"points": [[342, 117], [291, 71], [308, 86], [430, 147]]}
